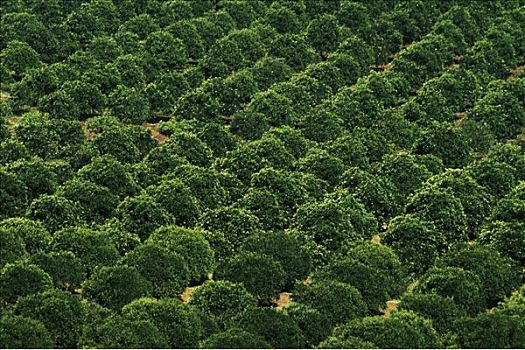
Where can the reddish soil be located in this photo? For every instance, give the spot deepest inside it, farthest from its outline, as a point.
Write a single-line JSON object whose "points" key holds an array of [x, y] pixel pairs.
{"points": [[391, 305], [185, 296], [515, 71], [155, 132], [284, 300]]}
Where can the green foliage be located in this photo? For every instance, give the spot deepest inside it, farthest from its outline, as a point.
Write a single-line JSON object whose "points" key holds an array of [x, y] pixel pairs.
{"points": [[402, 329], [55, 212], [164, 92], [23, 332], [222, 301], [377, 193], [226, 152], [339, 302], [504, 104], [192, 247], [178, 322], [507, 238], [59, 311], [311, 322], [97, 202], [416, 242], [129, 105], [498, 275], [491, 329], [497, 177], [24, 26], [249, 125], [278, 329], [474, 198], [441, 208], [283, 248], [12, 150], [108, 172], [260, 274], [442, 311], [295, 51], [463, 286], [12, 246], [13, 195], [373, 269], [35, 132], [446, 143], [19, 57], [37, 177], [115, 286], [323, 165], [330, 223], [21, 278], [33, 234], [276, 108], [142, 215], [165, 270], [87, 96], [321, 125], [404, 171], [94, 248], [226, 228], [349, 342], [64, 267], [118, 331], [234, 338], [205, 185], [270, 70], [119, 144], [323, 33]]}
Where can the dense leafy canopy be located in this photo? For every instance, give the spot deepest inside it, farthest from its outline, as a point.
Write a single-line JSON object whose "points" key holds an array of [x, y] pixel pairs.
{"points": [[262, 173]]}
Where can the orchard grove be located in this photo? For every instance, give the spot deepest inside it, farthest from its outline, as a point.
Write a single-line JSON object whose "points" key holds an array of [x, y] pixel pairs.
{"points": [[262, 174]]}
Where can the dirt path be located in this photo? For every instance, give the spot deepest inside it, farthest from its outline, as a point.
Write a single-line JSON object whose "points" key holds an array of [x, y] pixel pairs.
{"points": [[154, 127]]}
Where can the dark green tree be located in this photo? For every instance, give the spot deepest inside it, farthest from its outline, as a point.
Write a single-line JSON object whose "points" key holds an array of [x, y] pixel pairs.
{"points": [[59, 311], [64, 267], [19, 57], [234, 338], [93, 248], [178, 322], [166, 271], [190, 245], [11, 248], [498, 275], [262, 276], [507, 238], [33, 234], [416, 242], [339, 302], [108, 172], [23, 332], [312, 322], [117, 331], [142, 214], [115, 286], [441, 208], [21, 278], [278, 329], [176, 198], [129, 105], [401, 329], [97, 202], [222, 301], [442, 311], [55, 212], [463, 286]]}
